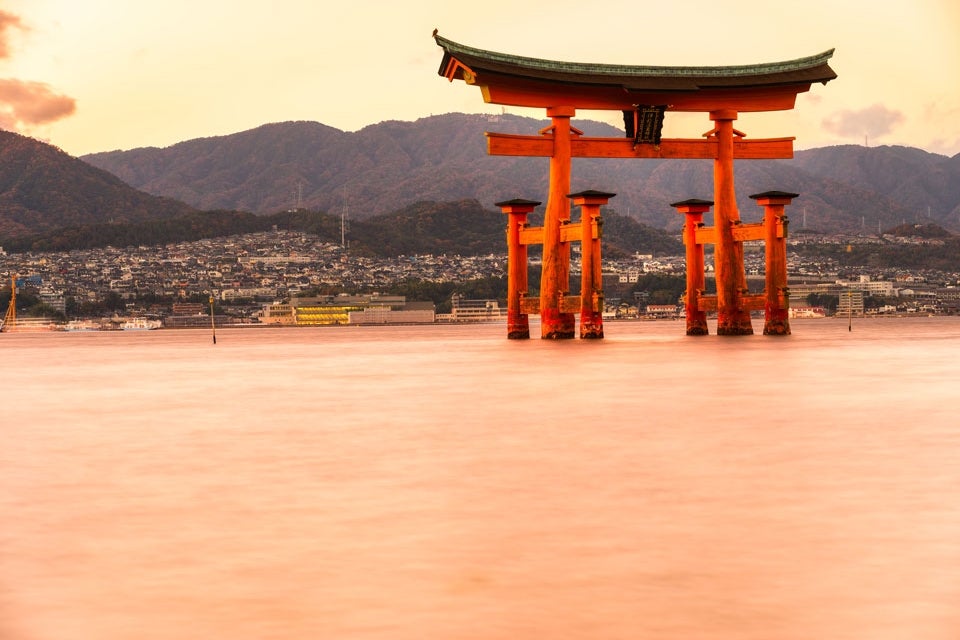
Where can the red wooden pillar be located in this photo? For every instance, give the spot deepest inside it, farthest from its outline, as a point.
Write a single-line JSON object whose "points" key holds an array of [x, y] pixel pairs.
{"points": [[591, 275], [518, 326], [693, 211], [555, 277], [732, 318], [777, 306]]}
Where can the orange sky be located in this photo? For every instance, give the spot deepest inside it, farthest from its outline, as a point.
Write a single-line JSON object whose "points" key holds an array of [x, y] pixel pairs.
{"points": [[97, 75]]}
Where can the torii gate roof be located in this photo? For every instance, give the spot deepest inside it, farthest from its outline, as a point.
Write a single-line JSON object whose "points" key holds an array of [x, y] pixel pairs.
{"points": [[533, 82]]}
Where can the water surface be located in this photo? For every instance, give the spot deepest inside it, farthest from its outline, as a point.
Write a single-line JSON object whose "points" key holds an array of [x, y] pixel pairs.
{"points": [[443, 482]]}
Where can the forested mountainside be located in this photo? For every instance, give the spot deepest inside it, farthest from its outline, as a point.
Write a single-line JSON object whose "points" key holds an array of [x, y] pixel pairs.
{"points": [[463, 228], [438, 164], [390, 165], [42, 188]]}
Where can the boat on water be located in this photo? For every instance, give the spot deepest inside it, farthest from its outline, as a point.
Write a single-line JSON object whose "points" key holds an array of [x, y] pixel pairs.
{"points": [[12, 324], [113, 324], [23, 325], [82, 325], [140, 324]]}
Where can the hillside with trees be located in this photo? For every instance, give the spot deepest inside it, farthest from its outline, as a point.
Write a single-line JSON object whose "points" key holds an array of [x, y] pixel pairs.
{"points": [[390, 165], [42, 189], [456, 228], [305, 175]]}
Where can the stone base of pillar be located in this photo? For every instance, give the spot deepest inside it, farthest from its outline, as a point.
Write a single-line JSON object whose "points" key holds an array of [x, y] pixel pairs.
{"points": [[777, 323], [697, 328], [518, 326], [556, 326], [734, 324], [776, 329], [591, 325], [568, 324]]}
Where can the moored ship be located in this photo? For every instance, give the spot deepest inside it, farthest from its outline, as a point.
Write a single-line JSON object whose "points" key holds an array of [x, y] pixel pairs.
{"points": [[140, 324]]}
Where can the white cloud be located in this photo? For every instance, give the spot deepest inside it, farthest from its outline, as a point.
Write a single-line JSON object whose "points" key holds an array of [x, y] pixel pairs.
{"points": [[873, 121]]}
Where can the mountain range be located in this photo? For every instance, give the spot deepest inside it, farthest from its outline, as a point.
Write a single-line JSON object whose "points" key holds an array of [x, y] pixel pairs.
{"points": [[50, 201], [44, 189], [387, 168], [383, 167]]}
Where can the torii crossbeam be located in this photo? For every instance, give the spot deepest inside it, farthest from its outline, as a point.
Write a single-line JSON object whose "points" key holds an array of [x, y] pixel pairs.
{"points": [[643, 94]]}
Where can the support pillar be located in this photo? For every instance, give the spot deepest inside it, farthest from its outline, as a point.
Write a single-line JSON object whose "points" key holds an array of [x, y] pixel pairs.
{"points": [[591, 273], [555, 277], [777, 305], [732, 318], [693, 211], [518, 326]]}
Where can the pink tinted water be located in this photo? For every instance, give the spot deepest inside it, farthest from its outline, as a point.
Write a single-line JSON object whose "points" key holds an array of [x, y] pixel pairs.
{"points": [[443, 482]]}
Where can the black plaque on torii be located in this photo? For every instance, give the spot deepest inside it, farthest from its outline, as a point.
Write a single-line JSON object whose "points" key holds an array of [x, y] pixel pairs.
{"points": [[644, 124]]}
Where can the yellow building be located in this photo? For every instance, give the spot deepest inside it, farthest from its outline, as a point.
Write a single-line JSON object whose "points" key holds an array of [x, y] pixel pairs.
{"points": [[346, 309], [313, 315]]}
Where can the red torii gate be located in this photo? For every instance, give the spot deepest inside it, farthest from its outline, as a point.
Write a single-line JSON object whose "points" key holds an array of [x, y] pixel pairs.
{"points": [[643, 94]]}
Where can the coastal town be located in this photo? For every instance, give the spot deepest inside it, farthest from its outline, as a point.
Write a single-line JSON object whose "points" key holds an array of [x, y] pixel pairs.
{"points": [[293, 278]]}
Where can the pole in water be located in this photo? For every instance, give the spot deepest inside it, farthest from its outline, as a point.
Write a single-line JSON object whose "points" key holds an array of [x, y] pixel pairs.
{"points": [[213, 324], [849, 311]]}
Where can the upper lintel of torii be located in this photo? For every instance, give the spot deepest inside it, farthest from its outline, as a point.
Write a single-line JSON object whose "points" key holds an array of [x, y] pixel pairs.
{"points": [[532, 82]]}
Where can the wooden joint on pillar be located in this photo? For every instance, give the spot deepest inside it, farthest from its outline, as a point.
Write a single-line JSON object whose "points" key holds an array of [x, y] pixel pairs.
{"points": [[574, 231], [571, 231], [756, 302], [598, 299], [569, 304], [531, 235], [529, 305], [752, 231], [595, 231], [705, 235], [737, 134], [562, 111], [723, 114]]}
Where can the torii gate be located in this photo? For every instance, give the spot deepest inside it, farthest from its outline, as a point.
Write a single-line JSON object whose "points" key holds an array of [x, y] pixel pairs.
{"points": [[643, 94]]}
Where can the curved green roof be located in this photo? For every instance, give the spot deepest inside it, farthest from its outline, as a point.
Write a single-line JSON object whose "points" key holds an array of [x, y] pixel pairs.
{"points": [[638, 77]]}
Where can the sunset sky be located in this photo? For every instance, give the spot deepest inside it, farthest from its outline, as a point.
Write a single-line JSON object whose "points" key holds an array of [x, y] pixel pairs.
{"points": [[98, 75]]}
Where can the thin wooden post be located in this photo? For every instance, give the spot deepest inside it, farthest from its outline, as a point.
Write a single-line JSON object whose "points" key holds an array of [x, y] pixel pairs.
{"points": [[732, 318], [591, 277], [518, 325], [554, 279], [10, 319], [777, 306], [213, 324], [693, 211]]}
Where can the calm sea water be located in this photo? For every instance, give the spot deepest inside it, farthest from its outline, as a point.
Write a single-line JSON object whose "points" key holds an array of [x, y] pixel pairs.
{"points": [[443, 482]]}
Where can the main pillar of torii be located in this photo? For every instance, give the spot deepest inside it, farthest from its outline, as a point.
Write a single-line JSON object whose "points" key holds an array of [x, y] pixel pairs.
{"points": [[643, 94]]}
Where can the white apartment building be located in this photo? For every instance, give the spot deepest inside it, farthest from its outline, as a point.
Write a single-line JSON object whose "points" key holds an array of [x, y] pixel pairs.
{"points": [[870, 287], [850, 303]]}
